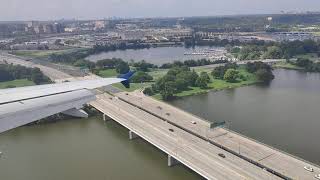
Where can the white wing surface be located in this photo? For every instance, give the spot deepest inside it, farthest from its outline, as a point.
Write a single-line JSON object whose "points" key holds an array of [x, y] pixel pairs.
{"points": [[20, 106]]}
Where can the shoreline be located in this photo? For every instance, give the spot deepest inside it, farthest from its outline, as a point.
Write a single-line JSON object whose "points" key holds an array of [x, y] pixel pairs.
{"points": [[204, 91]]}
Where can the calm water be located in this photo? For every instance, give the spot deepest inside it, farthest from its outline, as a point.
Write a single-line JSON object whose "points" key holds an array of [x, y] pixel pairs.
{"points": [[82, 150], [157, 56], [285, 114]]}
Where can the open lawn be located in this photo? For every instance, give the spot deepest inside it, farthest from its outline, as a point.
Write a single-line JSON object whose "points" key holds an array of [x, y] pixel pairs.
{"points": [[108, 73], [158, 73], [16, 83]]}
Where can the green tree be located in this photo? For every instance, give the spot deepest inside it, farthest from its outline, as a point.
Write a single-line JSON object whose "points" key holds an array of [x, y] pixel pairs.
{"points": [[273, 52], [122, 67], [181, 84], [264, 75], [202, 82], [141, 76], [205, 76], [148, 91], [303, 62], [193, 78], [37, 76], [231, 75], [218, 72], [5, 74], [168, 91]]}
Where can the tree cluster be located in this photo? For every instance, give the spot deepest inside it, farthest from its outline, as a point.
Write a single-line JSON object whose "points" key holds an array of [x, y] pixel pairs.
{"points": [[69, 57], [275, 50], [143, 66], [191, 63], [140, 77], [219, 72], [262, 71], [231, 75], [121, 66], [9, 72], [176, 80], [308, 65], [121, 46]]}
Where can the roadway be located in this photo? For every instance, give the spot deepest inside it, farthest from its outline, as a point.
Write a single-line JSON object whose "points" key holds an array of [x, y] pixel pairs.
{"points": [[276, 160], [192, 151]]}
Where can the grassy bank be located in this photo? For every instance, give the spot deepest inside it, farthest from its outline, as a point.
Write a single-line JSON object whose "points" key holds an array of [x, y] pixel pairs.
{"points": [[107, 73], [39, 53], [16, 83], [215, 84], [218, 84], [286, 65]]}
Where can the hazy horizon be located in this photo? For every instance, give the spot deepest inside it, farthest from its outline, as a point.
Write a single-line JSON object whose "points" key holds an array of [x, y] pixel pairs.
{"points": [[20, 10]]}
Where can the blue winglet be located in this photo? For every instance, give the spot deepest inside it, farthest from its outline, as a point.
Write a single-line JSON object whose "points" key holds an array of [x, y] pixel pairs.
{"points": [[127, 77]]}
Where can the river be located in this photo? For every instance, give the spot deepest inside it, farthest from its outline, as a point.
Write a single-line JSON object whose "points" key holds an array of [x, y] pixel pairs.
{"points": [[156, 56], [284, 114], [81, 150]]}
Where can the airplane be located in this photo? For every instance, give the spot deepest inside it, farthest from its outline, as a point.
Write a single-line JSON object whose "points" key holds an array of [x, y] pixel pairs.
{"points": [[21, 106]]}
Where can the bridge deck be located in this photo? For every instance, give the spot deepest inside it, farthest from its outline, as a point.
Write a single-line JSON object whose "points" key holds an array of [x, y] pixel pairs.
{"points": [[194, 152], [274, 159]]}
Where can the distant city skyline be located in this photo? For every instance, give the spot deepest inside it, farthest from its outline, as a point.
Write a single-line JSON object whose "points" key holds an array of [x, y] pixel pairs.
{"points": [[12, 10]]}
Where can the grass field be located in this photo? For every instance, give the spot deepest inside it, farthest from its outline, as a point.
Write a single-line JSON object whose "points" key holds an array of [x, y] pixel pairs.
{"points": [[16, 83], [40, 53], [285, 65], [108, 73], [158, 73]]}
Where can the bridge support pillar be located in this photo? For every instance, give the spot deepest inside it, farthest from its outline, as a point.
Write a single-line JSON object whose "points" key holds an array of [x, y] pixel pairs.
{"points": [[106, 118], [132, 135], [76, 113], [172, 161]]}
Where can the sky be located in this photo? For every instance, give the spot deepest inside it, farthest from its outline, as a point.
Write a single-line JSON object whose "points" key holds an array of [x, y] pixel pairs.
{"points": [[11, 10]]}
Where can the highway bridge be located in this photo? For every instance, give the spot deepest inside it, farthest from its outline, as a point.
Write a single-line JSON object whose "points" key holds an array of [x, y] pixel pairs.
{"points": [[181, 146], [193, 142]]}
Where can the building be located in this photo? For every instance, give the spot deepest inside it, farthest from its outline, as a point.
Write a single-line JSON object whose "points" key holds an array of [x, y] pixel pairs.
{"points": [[98, 25]]}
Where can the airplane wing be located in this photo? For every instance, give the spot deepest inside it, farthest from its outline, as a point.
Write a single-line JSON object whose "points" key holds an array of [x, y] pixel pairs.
{"points": [[20, 106]]}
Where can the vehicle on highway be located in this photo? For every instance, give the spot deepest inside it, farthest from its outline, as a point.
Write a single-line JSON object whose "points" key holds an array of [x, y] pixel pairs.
{"points": [[221, 155], [308, 168], [171, 130]]}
